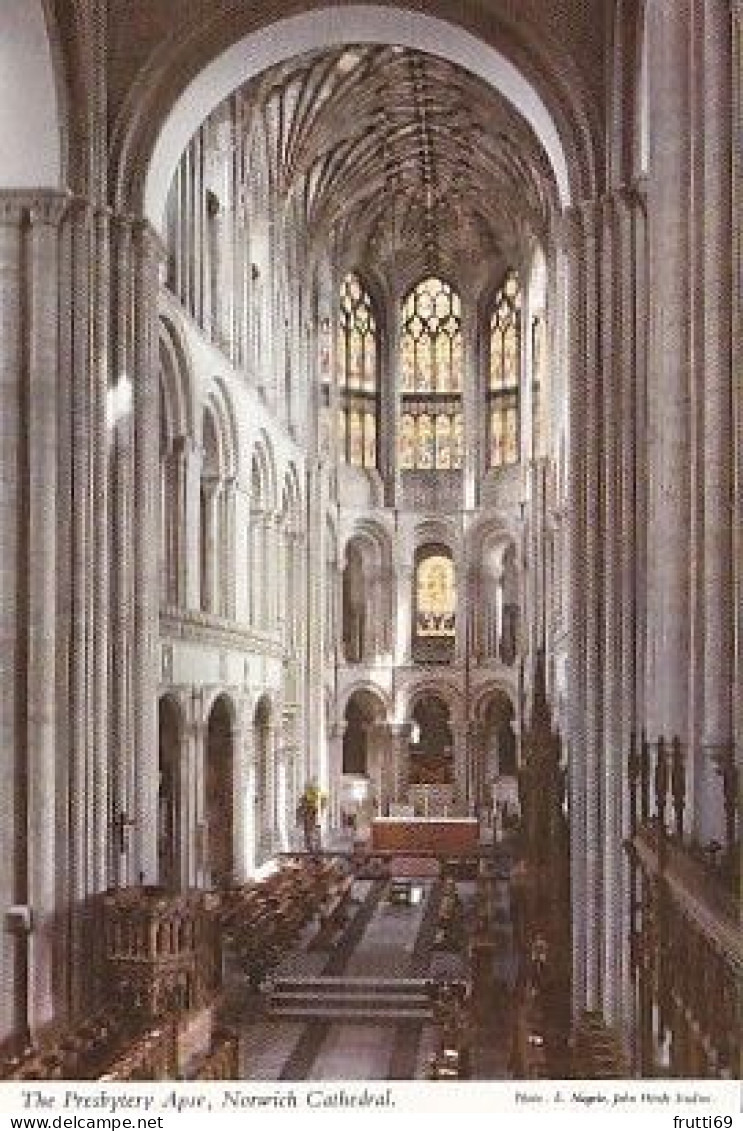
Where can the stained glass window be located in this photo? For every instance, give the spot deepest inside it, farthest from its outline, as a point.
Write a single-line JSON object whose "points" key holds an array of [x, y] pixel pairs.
{"points": [[358, 381], [436, 596], [504, 382], [431, 378]]}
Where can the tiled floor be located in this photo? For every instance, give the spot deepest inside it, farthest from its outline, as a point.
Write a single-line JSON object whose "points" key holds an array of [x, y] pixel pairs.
{"points": [[387, 944], [382, 940]]}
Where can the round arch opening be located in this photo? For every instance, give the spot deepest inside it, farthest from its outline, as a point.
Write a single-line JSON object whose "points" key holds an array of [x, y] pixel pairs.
{"points": [[327, 28], [169, 793], [219, 793], [364, 711]]}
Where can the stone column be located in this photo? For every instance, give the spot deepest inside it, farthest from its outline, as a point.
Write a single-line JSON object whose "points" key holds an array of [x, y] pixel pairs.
{"points": [[242, 553], [669, 387], [614, 346], [397, 761], [274, 569], [79, 434], [717, 730], [476, 763], [189, 542], [473, 466], [99, 699], [391, 405], [12, 504], [121, 544], [593, 601], [39, 406], [576, 599], [241, 728], [210, 581], [335, 765], [282, 792], [313, 599], [633, 528], [147, 254], [187, 802], [199, 733], [254, 567], [405, 572], [277, 779], [227, 549], [377, 767], [737, 275]]}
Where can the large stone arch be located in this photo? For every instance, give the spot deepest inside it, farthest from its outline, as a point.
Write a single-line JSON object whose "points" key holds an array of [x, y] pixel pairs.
{"points": [[366, 591], [218, 402], [365, 710], [184, 81], [369, 687]]}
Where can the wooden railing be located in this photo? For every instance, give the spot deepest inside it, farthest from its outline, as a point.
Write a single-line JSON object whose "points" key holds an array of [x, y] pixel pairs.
{"points": [[686, 940]]}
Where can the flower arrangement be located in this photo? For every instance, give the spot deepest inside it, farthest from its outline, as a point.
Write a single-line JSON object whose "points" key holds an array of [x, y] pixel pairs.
{"points": [[313, 798]]}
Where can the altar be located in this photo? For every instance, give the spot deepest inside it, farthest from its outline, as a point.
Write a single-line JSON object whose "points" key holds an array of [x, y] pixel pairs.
{"points": [[446, 836]]}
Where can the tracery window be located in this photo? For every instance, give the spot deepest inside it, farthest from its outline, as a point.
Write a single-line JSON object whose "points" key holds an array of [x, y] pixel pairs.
{"points": [[431, 426], [504, 424], [358, 379]]}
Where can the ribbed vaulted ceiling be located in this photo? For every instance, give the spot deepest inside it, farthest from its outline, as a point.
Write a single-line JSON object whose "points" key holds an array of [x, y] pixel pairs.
{"points": [[403, 159]]}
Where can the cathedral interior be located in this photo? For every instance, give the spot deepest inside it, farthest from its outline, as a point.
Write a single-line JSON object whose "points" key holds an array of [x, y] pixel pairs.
{"points": [[371, 587]]}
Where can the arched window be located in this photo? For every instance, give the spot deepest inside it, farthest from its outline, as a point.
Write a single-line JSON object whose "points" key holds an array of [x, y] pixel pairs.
{"points": [[505, 375], [357, 376], [435, 604], [431, 374]]}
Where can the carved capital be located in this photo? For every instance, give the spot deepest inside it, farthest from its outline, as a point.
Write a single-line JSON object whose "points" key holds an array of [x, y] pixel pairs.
{"points": [[33, 207]]}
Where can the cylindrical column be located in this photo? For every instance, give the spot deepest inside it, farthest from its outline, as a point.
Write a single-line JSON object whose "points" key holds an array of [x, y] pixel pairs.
{"points": [[404, 633], [573, 234], [668, 393], [81, 804], [335, 763], [737, 275], [631, 385], [594, 607], [717, 731], [12, 742], [228, 549], [121, 504], [99, 439], [41, 596], [146, 592], [211, 577]]}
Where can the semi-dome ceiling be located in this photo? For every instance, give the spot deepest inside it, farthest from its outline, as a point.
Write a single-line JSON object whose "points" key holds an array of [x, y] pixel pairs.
{"points": [[401, 158]]}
